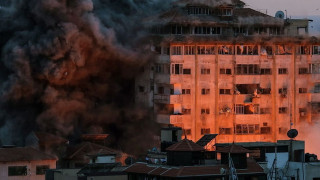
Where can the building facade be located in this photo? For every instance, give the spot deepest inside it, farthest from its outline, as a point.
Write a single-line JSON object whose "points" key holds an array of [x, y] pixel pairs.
{"points": [[222, 68]]}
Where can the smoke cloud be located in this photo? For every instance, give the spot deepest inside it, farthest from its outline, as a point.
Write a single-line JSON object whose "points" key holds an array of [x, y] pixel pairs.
{"points": [[68, 67]]}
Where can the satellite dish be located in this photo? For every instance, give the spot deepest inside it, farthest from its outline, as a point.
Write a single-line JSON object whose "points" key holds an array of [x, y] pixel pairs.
{"points": [[279, 14], [292, 133]]}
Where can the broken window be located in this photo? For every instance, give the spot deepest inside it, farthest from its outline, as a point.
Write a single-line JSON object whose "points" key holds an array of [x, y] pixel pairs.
{"points": [[317, 88], [141, 89], [186, 71], [186, 91], [205, 91], [302, 50], [265, 71], [225, 50], [205, 111], [247, 69], [314, 68], [247, 88], [225, 71], [266, 50], [247, 129], [205, 131], [189, 50], [165, 108], [225, 91], [264, 90], [282, 71], [239, 109], [224, 130], [161, 68], [247, 50], [41, 170], [283, 110], [316, 50], [205, 50], [166, 51], [302, 112], [260, 30], [303, 70], [283, 50], [303, 90], [176, 68], [283, 91], [205, 71], [176, 50]]}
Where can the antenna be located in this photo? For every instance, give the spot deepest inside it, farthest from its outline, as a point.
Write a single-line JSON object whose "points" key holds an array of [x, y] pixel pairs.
{"points": [[279, 14]]}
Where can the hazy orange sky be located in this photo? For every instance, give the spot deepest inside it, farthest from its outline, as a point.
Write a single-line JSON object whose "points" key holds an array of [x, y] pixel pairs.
{"points": [[293, 7]]}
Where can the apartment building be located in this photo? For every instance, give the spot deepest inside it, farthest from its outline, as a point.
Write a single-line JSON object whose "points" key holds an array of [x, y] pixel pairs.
{"points": [[226, 69]]}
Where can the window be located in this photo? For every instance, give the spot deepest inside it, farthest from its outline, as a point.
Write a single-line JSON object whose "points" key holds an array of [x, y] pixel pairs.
{"points": [[275, 31], [186, 71], [205, 91], [41, 170], [205, 50], [283, 50], [159, 68], [303, 90], [225, 71], [205, 71], [239, 109], [282, 110], [160, 90], [224, 130], [205, 131], [265, 71], [225, 50], [247, 129], [247, 69], [303, 70], [240, 31], [207, 30], [266, 50], [316, 50], [176, 29], [317, 88], [283, 91], [247, 50], [176, 68], [187, 131], [225, 91], [17, 171], [141, 89], [186, 111], [265, 111], [265, 130], [189, 50], [205, 111], [176, 50], [282, 71], [314, 68], [186, 91], [302, 50], [226, 12], [199, 10]]}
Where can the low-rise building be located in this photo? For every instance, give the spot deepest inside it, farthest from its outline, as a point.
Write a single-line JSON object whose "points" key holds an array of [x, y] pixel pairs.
{"points": [[24, 163]]}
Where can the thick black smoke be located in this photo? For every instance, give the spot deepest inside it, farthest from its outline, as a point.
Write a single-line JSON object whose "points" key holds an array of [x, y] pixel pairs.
{"points": [[67, 67]]}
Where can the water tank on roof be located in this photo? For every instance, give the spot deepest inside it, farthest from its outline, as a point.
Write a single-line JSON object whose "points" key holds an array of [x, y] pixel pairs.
{"points": [[279, 14]]}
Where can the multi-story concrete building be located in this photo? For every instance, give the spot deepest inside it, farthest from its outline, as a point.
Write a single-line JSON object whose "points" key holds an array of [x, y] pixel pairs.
{"points": [[222, 68]]}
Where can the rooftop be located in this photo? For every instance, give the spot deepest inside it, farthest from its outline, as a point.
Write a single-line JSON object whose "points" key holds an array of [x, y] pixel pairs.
{"points": [[23, 154], [236, 149], [185, 145]]}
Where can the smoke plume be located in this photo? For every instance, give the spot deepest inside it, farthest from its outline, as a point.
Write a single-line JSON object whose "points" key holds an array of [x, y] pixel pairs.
{"points": [[68, 67]]}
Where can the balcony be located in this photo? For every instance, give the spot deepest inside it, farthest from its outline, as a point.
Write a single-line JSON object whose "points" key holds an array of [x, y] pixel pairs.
{"points": [[168, 99]]}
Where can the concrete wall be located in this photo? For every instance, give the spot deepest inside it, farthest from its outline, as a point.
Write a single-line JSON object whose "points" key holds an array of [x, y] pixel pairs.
{"points": [[31, 167]]}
